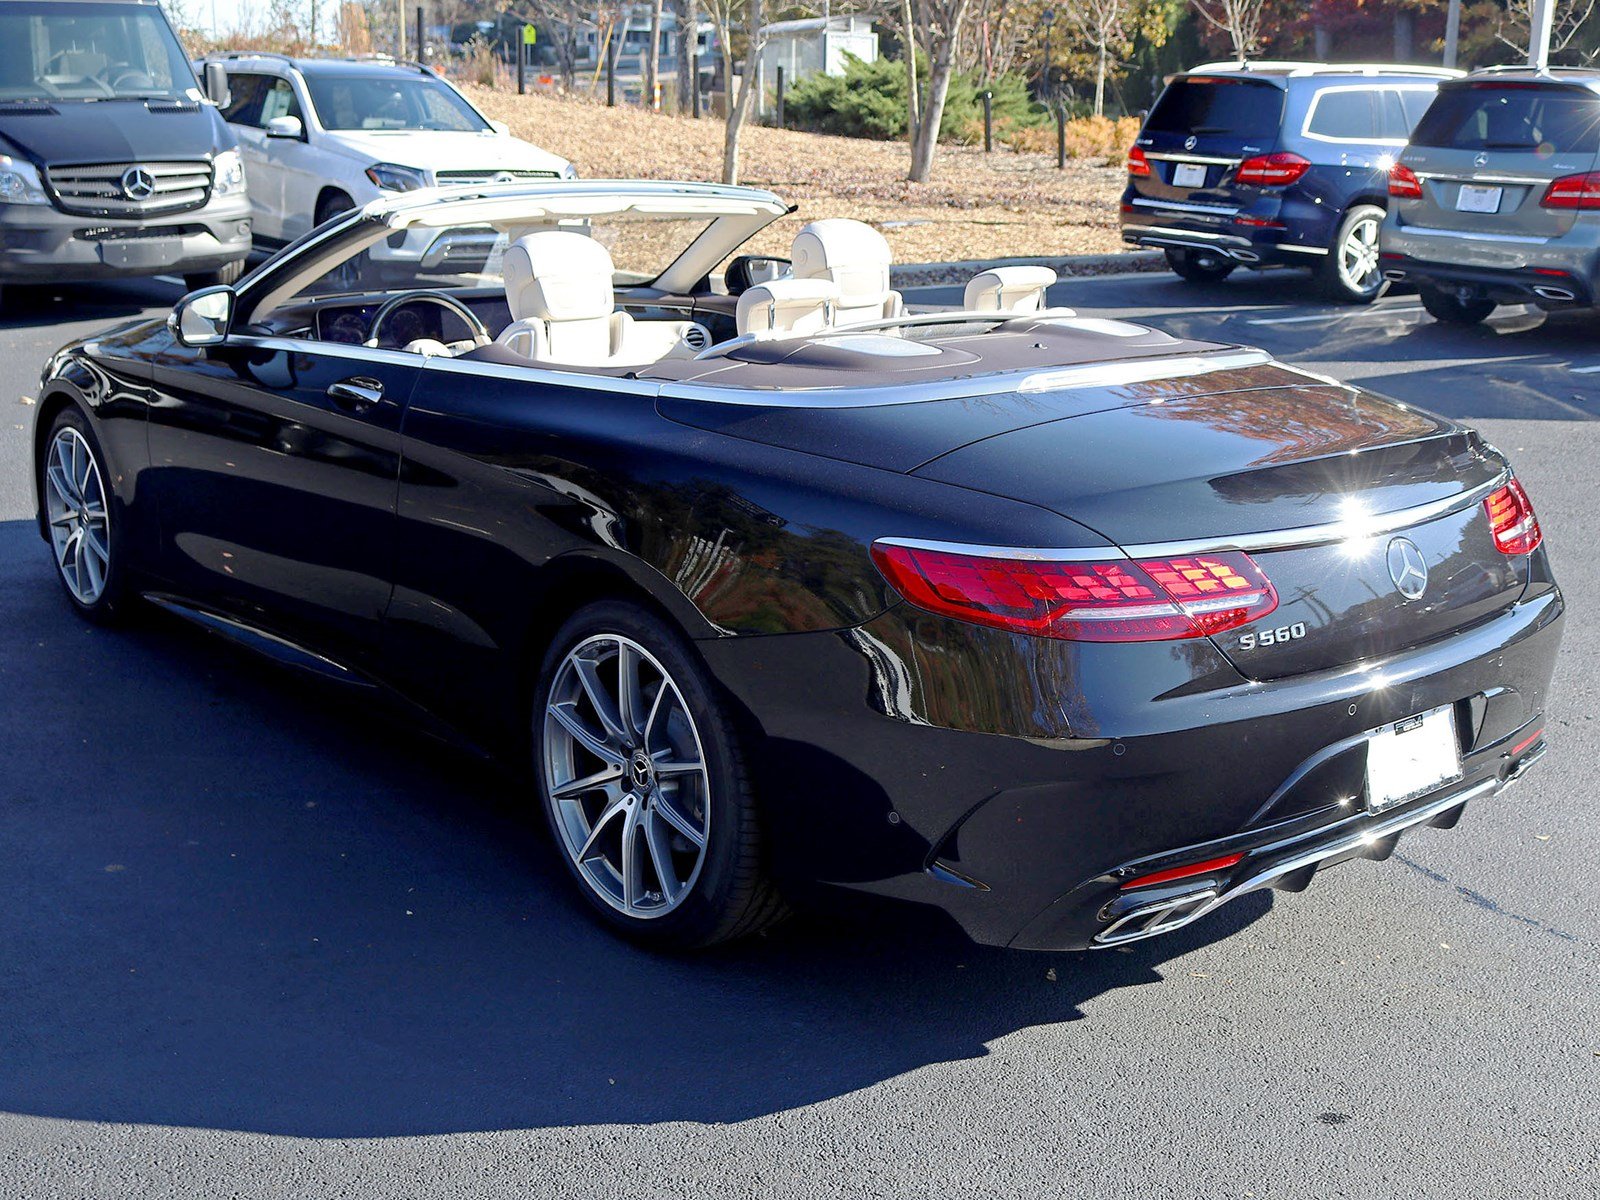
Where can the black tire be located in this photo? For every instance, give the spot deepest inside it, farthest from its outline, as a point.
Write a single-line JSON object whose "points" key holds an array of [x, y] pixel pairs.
{"points": [[111, 605], [730, 895], [331, 205], [1338, 271], [1199, 266], [1452, 310], [227, 274]]}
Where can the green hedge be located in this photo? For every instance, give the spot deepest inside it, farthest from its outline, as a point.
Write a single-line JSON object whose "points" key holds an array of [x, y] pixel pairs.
{"points": [[869, 100]]}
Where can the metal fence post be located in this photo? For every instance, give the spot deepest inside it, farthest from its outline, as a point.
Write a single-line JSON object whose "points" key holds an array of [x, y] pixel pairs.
{"points": [[1061, 137], [422, 44], [694, 81], [780, 97], [988, 122], [611, 68], [522, 68]]}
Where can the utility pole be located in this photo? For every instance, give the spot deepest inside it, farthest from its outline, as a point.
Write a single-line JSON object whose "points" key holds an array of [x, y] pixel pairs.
{"points": [[401, 6], [1544, 15], [1452, 32]]}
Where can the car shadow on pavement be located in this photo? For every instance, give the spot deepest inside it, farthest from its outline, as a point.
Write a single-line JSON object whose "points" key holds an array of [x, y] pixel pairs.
{"points": [[231, 899]]}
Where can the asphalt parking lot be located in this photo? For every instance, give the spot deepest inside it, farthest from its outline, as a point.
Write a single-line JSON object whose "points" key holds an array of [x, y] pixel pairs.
{"points": [[257, 942]]}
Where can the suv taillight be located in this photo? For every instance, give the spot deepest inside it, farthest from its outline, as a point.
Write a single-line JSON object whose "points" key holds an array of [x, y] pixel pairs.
{"points": [[1403, 182], [1138, 164], [1272, 170], [1573, 191], [1511, 520], [1152, 600]]}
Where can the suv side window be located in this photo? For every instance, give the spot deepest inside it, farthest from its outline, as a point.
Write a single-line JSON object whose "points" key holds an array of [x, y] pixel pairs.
{"points": [[279, 102], [245, 95], [1415, 101], [1343, 114]]}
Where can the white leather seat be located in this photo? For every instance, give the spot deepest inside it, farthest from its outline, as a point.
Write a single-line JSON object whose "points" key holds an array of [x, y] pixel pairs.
{"points": [[856, 258], [787, 306], [1008, 289], [558, 286]]}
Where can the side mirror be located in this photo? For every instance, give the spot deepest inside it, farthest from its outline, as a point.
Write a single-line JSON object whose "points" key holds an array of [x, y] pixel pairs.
{"points": [[202, 318], [501, 128], [748, 270], [285, 127], [216, 84]]}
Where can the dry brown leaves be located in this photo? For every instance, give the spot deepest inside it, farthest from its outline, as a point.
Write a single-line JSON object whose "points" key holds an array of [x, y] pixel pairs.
{"points": [[1000, 205]]}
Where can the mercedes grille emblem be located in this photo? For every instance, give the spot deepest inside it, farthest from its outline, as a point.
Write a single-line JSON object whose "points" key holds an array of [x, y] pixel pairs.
{"points": [[138, 184], [503, 177], [1481, 161], [1408, 568], [1190, 142]]}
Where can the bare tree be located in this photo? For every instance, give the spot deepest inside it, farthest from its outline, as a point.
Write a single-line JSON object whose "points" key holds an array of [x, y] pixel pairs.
{"points": [[938, 34], [1241, 20], [652, 56], [1513, 26], [688, 12], [1102, 26], [561, 24], [726, 16]]}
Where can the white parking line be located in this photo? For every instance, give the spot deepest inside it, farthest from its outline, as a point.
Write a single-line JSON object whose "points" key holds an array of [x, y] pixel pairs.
{"points": [[1371, 312]]}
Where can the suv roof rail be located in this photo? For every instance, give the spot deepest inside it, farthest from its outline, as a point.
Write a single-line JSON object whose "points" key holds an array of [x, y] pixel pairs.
{"points": [[1291, 67], [293, 61], [1525, 69], [229, 55]]}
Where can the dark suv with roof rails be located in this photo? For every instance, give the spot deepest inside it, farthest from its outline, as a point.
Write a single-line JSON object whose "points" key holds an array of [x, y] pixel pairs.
{"points": [[1497, 198], [1274, 164]]}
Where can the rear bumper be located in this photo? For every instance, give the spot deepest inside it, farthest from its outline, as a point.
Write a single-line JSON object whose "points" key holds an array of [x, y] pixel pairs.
{"points": [[1550, 272], [1264, 232], [40, 244], [932, 763]]}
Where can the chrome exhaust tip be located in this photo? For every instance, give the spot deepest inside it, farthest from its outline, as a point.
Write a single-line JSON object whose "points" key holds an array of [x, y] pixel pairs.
{"points": [[1393, 275], [1553, 293]]}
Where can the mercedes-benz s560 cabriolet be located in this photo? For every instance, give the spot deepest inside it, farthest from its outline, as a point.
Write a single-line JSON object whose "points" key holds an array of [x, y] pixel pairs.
{"points": [[1068, 628]]}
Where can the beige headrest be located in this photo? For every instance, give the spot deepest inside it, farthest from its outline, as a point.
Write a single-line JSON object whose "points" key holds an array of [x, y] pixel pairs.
{"points": [[849, 253], [1008, 289], [787, 305], [557, 276]]}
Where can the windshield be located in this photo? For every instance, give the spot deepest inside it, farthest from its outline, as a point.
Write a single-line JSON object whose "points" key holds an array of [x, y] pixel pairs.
{"points": [[90, 52], [1549, 120], [390, 102], [1237, 107]]}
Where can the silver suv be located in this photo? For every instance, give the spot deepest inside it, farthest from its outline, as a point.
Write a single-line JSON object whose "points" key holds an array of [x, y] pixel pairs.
{"points": [[1496, 200]]}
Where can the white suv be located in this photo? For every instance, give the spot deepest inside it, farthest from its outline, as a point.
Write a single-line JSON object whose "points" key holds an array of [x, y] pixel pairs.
{"points": [[321, 136]]}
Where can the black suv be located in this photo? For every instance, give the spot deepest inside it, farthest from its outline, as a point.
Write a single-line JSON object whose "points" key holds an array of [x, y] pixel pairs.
{"points": [[1274, 164]]}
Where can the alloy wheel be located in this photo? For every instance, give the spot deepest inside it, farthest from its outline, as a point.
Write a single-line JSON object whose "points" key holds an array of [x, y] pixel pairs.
{"points": [[1358, 257], [80, 522], [625, 775]]}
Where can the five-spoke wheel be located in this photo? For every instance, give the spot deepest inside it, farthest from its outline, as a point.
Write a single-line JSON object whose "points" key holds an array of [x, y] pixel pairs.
{"points": [[1352, 271], [643, 782], [77, 508]]}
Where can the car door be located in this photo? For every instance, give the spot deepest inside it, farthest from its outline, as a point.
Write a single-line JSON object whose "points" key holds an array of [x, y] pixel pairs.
{"points": [[277, 462], [248, 91]]}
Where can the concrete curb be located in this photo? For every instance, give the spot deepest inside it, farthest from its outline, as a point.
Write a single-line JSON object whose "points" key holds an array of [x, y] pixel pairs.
{"points": [[926, 274]]}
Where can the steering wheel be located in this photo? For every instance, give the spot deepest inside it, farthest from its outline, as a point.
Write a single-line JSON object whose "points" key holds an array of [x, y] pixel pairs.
{"points": [[480, 332]]}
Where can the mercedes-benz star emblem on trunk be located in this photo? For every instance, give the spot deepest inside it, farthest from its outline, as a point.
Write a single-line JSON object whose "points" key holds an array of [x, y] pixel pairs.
{"points": [[1190, 142], [1408, 568], [138, 184]]}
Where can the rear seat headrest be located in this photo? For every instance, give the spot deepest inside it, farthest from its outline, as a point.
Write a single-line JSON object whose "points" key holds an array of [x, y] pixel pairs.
{"points": [[555, 275], [1008, 289], [787, 306]]}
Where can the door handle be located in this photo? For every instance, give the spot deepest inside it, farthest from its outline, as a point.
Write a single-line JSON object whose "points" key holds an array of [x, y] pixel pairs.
{"points": [[356, 395]]}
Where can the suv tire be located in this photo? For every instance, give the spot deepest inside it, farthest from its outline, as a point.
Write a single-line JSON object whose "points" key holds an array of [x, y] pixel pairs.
{"points": [[1350, 271], [1199, 266], [1452, 310]]}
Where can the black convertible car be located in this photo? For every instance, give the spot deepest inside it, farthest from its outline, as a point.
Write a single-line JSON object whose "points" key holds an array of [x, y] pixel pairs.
{"points": [[1068, 628]]}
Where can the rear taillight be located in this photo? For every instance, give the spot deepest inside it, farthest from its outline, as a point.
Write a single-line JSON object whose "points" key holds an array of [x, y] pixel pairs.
{"points": [[1210, 867], [1573, 191], [1511, 520], [1403, 182], [1152, 600], [1272, 170], [1138, 164]]}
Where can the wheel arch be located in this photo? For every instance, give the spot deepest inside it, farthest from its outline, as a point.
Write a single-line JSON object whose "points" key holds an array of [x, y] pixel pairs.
{"points": [[52, 401], [328, 192]]}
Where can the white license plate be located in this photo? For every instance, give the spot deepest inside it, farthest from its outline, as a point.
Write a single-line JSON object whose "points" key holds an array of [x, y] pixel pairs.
{"points": [[1472, 198], [1412, 757], [1189, 175]]}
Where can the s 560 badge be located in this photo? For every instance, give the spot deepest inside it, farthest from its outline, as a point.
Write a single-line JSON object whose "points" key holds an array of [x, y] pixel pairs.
{"points": [[1271, 637]]}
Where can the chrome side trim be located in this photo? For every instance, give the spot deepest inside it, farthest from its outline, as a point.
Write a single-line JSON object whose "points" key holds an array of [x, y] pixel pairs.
{"points": [[1515, 180], [1209, 160], [1221, 210], [1181, 235], [1302, 249], [1352, 843], [1517, 239], [1280, 539]]}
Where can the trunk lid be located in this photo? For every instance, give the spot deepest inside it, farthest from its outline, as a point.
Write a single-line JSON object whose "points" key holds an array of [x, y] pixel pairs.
{"points": [[1486, 150], [1200, 129], [1233, 466]]}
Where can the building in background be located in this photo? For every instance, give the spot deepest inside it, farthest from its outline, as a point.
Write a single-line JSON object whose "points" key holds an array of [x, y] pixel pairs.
{"points": [[816, 44]]}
